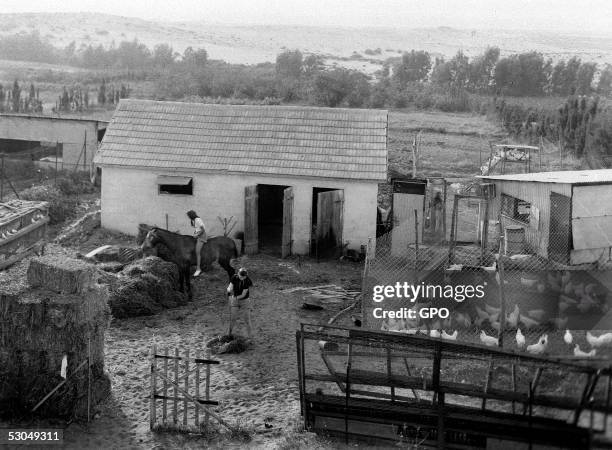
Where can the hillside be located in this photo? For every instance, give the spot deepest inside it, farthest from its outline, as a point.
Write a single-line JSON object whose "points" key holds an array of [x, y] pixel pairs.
{"points": [[254, 44]]}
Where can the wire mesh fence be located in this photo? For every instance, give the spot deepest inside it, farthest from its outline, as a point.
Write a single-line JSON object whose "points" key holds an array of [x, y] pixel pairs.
{"points": [[499, 272]]}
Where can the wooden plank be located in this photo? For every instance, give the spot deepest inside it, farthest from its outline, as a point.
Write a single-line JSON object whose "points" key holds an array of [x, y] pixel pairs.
{"points": [[592, 232], [591, 201], [153, 388], [251, 216], [199, 401], [207, 389], [185, 404], [287, 238], [404, 229], [165, 402]]}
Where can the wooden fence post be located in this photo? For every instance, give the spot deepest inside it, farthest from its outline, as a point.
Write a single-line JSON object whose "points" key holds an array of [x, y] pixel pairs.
{"points": [[153, 387], [165, 401], [176, 381], [207, 397], [185, 404], [197, 390]]}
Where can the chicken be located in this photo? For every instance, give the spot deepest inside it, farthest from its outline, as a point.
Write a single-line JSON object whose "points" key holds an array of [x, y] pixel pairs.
{"points": [[539, 347], [434, 333], [601, 341], [463, 320], [529, 323], [450, 337], [537, 314], [489, 341], [492, 310], [513, 317], [64, 366], [520, 338], [578, 352], [568, 338]]}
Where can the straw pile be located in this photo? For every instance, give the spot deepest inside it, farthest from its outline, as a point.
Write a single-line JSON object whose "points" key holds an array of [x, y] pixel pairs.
{"points": [[39, 327], [145, 287], [81, 230]]}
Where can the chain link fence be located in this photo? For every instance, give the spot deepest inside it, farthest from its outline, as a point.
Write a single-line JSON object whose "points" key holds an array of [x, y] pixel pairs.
{"points": [[477, 267]]}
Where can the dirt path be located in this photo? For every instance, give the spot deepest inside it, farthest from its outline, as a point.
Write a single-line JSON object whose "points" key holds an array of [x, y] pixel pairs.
{"points": [[252, 387]]}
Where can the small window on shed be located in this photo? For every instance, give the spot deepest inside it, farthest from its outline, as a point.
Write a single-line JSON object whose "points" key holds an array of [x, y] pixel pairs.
{"points": [[175, 185], [515, 208]]}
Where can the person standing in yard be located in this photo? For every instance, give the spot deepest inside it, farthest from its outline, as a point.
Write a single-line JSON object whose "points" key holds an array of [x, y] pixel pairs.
{"points": [[200, 235], [239, 302]]}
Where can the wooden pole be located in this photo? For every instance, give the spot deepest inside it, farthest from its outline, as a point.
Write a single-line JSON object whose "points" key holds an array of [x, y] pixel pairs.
{"points": [[153, 388], [2, 180], [502, 297], [185, 404], [165, 401], [85, 152], [56, 152], [176, 380], [207, 391], [197, 390], [416, 240]]}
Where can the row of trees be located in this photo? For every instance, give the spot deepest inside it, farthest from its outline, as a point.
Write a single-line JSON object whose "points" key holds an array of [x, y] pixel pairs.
{"points": [[12, 100], [523, 74]]}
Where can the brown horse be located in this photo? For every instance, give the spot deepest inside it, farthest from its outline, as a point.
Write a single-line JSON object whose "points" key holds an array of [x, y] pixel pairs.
{"points": [[180, 249]]}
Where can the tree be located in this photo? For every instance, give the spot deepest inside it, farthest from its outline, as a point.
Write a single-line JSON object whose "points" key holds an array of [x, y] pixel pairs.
{"points": [[289, 64], [557, 80], [16, 96], [195, 59], [584, 78], [481, 70], [163, 55], [604, 86], [414, 66], [102, 93]]}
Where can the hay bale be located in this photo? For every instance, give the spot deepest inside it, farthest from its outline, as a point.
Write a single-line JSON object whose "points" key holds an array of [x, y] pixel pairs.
{"points": [[38, 328], [144, 288], [60, 274]]}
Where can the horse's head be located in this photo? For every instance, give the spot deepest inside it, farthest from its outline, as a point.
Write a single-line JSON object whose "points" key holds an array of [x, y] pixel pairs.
{"points": [[151, 239]]}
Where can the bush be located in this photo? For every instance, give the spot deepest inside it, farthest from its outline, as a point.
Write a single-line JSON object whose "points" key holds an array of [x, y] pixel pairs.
{"points": [[75, 183], [61, 207]]}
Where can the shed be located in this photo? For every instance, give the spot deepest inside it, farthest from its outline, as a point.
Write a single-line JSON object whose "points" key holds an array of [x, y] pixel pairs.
{"points": [[289, 176], [566, 215], [72, 141]]}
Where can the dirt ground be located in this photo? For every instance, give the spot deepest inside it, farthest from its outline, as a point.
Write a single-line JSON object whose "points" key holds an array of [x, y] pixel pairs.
{"points": [[257, 386]]}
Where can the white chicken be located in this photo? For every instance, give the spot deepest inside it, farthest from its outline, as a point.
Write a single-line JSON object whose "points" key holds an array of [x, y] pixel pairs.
{"points": [[539, 347], [434, 333], [450, 337], [64, 366], [599, 341], [520, 338], [578, 352], [487, 340], [568, 338]]}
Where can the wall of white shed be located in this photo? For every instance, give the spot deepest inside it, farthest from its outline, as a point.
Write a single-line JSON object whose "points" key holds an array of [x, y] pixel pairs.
{"points": [[131, 196], [73, 134]]}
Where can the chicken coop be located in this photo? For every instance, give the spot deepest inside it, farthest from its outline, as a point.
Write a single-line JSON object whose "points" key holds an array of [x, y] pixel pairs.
{"points": [[23, 227]]}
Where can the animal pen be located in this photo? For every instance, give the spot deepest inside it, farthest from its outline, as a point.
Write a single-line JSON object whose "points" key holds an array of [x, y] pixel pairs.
{"points": [[426, 392], [23, 227]]}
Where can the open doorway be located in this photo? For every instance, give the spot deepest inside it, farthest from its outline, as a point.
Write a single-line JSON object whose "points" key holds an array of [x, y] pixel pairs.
{"points": [[327, 222], [270, 218]]}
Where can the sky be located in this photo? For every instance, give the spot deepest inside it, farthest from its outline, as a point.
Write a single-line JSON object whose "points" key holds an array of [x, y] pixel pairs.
{"points": [[573, 16]]}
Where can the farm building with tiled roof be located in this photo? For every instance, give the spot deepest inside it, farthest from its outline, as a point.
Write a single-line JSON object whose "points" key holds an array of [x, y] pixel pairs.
{"points": [[292, 178]]}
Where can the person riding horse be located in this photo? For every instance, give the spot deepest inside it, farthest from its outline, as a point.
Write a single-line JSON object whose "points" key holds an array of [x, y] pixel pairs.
{"points": [[200, 235]]}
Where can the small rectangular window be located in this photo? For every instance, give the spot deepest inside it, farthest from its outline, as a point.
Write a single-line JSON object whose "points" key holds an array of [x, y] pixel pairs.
{"points": [[515, 208], [175, 185]]}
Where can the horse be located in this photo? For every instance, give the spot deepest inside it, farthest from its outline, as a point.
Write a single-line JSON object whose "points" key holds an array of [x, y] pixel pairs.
{"points": [[180, 250]]}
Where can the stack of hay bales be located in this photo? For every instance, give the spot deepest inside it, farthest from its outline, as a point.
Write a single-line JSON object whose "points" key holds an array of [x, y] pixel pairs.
{"points": [[145, 287], [63, 313]]}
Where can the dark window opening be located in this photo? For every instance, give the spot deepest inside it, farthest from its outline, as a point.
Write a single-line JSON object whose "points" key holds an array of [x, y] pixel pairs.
{"points": [[177, 189], [515, 208]]}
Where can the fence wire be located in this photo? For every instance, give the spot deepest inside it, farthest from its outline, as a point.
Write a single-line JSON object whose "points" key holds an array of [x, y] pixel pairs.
{"points": [[503, 279]]}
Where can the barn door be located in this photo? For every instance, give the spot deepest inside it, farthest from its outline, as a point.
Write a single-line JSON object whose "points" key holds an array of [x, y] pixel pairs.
{"points": [[251, 232], [560, 232], [287, 222], [330, 207]]}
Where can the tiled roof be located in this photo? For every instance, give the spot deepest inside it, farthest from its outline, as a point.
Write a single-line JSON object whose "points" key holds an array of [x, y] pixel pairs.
{"points": [[273, 140]]}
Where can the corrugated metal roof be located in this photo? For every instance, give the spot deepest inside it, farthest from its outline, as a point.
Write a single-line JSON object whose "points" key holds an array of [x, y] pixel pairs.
{"points": [[273, 140], [566, 177]]}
